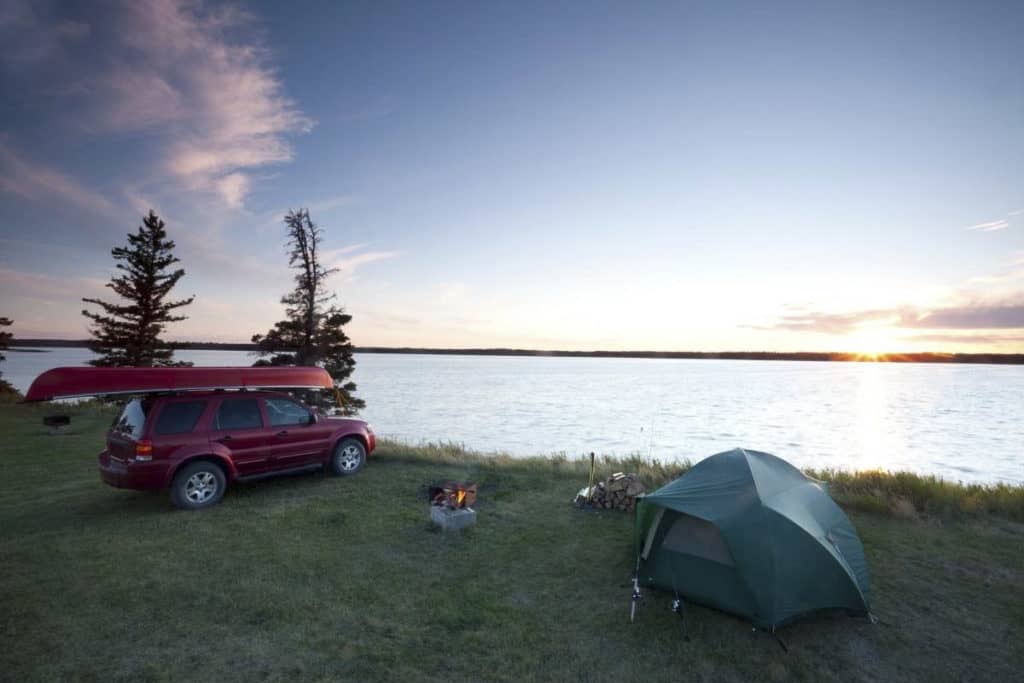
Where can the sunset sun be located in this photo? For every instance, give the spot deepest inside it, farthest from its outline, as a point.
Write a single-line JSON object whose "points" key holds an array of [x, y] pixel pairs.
{"points": [[872, 342]]}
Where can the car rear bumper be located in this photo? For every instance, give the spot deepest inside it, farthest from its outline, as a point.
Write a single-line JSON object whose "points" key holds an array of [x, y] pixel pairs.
{"points": [[130, 475]]}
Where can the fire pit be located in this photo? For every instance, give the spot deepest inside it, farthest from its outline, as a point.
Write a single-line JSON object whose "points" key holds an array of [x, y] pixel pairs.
{"points": [[450, 504]]}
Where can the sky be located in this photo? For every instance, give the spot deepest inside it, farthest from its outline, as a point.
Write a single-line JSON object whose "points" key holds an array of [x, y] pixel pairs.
{"points": [[556, 175]]}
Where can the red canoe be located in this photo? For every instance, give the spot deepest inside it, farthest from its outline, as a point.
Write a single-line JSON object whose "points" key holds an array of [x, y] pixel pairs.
{"points": [[87, 381]]}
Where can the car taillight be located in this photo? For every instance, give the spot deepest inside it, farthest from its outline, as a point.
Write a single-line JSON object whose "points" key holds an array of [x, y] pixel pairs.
{"points": [[143, 451]]}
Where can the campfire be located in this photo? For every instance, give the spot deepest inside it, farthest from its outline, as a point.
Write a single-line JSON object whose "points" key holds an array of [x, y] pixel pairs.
{"points": [[450, 503], [453, 495]]}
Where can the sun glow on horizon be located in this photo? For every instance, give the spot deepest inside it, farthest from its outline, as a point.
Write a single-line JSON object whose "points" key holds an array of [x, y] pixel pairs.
{"points": [[872, 342]]}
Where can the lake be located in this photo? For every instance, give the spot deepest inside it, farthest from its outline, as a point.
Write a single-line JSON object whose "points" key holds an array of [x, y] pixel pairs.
{"points": [[962, 422]]}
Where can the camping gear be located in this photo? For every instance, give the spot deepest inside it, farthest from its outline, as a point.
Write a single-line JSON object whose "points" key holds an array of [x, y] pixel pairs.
{"points": [[746, 532], [76, 382], [590, 481]]}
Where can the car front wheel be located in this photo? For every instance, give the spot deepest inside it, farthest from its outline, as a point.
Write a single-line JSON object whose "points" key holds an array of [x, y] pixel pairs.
{"points": [[349, 457], [198, 485]]}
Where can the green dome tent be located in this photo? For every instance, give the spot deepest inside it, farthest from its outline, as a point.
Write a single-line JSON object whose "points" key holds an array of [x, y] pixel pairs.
{"points": [[748, 533]]}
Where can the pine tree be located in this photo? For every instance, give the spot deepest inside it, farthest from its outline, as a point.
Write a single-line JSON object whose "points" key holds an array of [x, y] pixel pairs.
{"points": [[128, 333], [313, 332], [5, 338]]}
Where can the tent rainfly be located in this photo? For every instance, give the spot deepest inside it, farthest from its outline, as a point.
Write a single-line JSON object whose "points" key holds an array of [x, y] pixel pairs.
{"points": [[748, 533]]}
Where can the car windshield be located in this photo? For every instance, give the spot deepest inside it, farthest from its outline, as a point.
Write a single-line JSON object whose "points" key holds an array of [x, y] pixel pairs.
{"points": [[131, 420]]}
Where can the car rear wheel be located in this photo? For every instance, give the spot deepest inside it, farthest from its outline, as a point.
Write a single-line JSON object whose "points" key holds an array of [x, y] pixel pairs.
{"points": [[349, 457], [198, 485]]}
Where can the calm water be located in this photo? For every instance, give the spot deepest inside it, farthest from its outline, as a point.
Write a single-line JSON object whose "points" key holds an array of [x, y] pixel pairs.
{"points": [[963, 422]]}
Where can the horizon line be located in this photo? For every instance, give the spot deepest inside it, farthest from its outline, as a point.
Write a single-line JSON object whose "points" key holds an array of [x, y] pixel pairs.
{"points": [[844, 356]]}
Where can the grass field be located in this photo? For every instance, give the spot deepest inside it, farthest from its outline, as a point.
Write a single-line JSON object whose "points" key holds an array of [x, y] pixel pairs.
{"points": [[317, 578]]}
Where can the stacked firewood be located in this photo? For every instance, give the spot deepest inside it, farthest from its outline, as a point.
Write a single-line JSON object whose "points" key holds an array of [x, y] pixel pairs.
{"points": [[617, 492]]}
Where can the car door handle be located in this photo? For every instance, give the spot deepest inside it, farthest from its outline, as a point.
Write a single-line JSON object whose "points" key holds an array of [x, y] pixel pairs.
{"points": [[283, 432], [223, 439]]}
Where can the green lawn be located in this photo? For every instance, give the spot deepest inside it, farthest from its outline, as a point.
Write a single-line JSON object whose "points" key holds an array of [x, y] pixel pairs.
{"points": [[317, 578]]}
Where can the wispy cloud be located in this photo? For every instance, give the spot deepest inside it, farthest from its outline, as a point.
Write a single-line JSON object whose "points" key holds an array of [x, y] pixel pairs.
{"points": [[72, 29], [979, 316], [991, 226], [987, 339], [194, 76], [230, 113], [998, 224], [835, 323], [315, 208], [347, 264], [39, 182], [29, 39], [49, 287], [233, 187], [967, 316]]}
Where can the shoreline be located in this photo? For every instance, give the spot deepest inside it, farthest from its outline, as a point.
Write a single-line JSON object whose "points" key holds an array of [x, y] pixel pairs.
{"points": [[807, 356]]}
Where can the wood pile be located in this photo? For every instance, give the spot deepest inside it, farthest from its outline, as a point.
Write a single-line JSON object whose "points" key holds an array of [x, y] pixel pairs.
{"points": [[617, 492]]}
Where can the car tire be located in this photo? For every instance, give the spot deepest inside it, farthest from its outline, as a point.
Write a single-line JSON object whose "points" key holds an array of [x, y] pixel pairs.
{"points": [[348, 458], [198, 485]]}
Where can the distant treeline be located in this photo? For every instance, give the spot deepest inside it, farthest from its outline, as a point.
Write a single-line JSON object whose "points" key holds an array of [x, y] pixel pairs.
{"points": [[993, 358]]}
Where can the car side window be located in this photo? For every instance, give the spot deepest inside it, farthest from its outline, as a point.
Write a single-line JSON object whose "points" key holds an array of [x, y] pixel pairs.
{"points": [[239, 413], [283, 412], [179, 417]]}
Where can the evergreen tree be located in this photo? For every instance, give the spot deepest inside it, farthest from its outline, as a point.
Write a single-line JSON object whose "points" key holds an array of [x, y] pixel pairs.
{"points": [[313, 333], [128, 333], [5, 338]]}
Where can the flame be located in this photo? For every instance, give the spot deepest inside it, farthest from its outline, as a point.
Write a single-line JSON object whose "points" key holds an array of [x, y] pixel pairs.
{"points": [[459, 498]]}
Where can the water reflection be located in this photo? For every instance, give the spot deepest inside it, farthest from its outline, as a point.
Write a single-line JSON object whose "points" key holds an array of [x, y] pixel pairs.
{"points": [[876, 440]]}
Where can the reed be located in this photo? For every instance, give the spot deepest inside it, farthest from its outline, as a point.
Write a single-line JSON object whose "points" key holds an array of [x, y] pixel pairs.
{"points": [[906, 494], [899, 494]]}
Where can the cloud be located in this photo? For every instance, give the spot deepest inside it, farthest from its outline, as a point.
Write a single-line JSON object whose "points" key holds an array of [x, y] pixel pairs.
{"points": [[50, 287], [1000, 224], [832, 323], [38, 182], [348, 264], [968, 338], [228, 105], [72, 29], [193, 76], [28, 38], [969, 316], [991, 226], [974, 317], [275, 219], [233, 187], [136, 98]]}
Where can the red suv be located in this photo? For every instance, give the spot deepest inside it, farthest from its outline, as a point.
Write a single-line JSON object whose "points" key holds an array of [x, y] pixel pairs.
{"points": [[195, 443]]}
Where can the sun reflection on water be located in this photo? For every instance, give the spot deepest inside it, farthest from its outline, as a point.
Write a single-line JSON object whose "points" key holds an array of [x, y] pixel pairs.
{"points": [[876, 440]]}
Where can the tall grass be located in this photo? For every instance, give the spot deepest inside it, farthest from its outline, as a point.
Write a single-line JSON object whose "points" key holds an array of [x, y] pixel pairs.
{"points": [[899, 494], [908, 494], [653, 473]]}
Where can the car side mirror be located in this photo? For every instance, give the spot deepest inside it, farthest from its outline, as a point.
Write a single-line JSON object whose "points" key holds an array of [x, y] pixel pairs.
{"points": [[312, 419]]}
